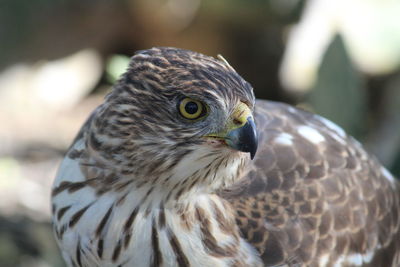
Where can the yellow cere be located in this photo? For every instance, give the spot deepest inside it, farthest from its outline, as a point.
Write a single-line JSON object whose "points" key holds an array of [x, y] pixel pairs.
{"points": [[237, 119], [239, 116]]}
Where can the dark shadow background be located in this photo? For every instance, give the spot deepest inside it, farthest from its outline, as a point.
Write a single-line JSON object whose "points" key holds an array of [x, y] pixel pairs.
{"points": [[58, 58]]}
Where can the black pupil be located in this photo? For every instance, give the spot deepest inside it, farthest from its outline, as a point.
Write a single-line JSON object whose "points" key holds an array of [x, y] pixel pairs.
{"points": [[191, 107]]}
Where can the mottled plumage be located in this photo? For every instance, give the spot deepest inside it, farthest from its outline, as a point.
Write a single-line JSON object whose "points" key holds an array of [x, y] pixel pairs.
{"points": [[143, 185]]}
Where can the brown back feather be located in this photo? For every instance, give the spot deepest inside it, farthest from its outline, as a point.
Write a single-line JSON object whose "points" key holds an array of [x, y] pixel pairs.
{"points": [[301, 201]]}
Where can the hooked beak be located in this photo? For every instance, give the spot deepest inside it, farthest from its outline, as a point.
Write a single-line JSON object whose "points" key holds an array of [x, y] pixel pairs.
{"points": [[244, 138], [240, 132]]}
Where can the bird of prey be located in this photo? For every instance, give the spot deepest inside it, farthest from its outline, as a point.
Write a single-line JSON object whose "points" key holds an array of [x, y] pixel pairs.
{"points": [[182, 166]]}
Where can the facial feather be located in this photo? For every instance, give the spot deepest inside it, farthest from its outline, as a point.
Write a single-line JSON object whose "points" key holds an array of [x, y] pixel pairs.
{"points": [[140, 118]]}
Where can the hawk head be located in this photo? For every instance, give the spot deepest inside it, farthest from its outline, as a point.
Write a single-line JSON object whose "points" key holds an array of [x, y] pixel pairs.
{"points": [[176, 115]]}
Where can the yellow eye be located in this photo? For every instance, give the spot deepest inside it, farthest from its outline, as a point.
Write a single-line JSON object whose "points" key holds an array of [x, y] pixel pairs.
{"points": [[191, 109]]}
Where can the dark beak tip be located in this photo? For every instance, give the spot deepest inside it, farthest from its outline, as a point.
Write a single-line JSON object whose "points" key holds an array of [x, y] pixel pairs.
{"points": [[252, 137], [253, 153], [245, 139], [253, 149]]}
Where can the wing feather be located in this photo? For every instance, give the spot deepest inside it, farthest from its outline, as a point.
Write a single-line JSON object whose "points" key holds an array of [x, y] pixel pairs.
{"points": [[313, 196]]}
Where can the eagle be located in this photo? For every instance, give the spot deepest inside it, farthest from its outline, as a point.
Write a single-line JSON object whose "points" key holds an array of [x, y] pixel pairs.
{"points": [[182, 166]]}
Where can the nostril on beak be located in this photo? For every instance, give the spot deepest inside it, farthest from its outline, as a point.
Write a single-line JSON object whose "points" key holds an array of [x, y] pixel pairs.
{"points": [[237, 122]]}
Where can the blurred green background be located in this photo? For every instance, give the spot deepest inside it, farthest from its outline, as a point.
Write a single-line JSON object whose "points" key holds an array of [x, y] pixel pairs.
{"points": [[58, 58]]}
